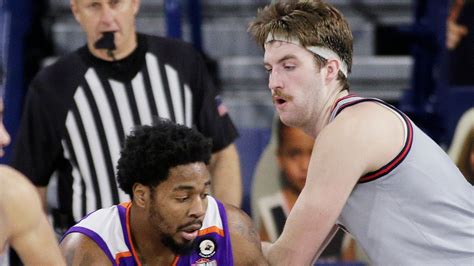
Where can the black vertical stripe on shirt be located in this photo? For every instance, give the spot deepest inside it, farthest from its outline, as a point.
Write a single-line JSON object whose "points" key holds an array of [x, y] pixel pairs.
{"points": [[90, 162], [149, 92], [183, 98], [132, 103], [83, 198], [109, 164]]}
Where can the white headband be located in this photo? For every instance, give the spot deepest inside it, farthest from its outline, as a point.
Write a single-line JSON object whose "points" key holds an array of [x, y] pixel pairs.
{"points": [[319, 50]]}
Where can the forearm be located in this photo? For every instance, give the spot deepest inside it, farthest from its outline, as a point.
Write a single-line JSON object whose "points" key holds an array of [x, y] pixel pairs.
{"points": [[31, 236], [33, 245], [226, 178], [328, 239], [299, 243]]}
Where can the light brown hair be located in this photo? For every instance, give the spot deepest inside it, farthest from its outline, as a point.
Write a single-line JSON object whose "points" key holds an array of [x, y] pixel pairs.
{"points": [[312, 22]]}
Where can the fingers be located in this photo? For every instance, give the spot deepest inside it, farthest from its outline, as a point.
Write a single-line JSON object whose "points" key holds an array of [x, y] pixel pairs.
{"points": [[455, 32]]}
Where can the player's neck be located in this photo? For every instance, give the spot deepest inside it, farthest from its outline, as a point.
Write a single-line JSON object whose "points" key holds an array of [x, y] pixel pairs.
{"points": [[323, 118], [154, 258]]}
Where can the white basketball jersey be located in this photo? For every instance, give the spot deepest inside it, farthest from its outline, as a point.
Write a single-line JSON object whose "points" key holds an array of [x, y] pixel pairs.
{"points": [[416, 210]]}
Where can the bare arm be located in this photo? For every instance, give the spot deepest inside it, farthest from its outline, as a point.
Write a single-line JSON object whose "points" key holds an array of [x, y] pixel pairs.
{"points": [[42, 191], [335, 167], [78, 249], [326, 242], [30, 233], [226, 179], [246, 246]]}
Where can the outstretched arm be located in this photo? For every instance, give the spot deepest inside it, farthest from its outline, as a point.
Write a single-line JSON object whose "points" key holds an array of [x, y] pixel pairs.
{"points": [[246, 246], [29, 231], [43, 191], [226, 179], [346, 149]]}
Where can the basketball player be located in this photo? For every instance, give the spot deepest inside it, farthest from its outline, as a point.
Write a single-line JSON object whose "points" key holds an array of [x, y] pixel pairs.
{"points": [[372, 170], [23, 225], [171, 218]]}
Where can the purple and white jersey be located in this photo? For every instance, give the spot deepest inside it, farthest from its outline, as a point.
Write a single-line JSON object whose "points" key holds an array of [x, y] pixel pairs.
{"points": [[110, 229]]}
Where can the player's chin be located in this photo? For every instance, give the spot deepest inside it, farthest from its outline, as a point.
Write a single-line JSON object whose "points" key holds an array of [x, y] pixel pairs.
{"points": [[180, 239], [185, 246], [179, 245]]}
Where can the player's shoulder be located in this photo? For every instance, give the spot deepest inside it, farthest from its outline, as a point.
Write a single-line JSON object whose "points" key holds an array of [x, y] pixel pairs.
{"points": [[373, 127], [245, 238], [80, 249], [365, 117], [366, 108], [358, 125], [234, 212], [13, 183], [239, 222]]}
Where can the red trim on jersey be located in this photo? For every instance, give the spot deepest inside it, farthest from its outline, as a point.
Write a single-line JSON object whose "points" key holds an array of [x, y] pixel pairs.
{"points": [[342, 107], [127, 219], [340, 99], [401, 155], [396, 161], [125, 204], [175, 261]]}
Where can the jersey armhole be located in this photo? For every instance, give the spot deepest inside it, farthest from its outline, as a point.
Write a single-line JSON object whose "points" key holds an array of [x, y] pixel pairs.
{"points": [[406, 146]]}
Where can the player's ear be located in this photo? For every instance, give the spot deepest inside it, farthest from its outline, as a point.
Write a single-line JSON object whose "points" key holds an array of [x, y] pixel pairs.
{"points": [[332, 67], [140, 194]]}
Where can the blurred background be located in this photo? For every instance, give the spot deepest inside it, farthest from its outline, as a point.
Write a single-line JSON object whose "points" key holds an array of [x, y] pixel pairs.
{"points": [[399, 56]]}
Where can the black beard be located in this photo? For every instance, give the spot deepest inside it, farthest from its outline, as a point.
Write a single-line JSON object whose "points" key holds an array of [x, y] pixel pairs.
{"points": [[178, 249]]}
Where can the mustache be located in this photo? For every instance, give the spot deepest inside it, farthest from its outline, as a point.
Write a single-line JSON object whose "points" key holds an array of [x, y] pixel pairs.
{"points": [[277, 94], [184, 226]]}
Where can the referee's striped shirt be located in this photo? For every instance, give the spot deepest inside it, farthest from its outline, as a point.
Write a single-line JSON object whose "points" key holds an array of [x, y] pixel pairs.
{"points": [[80, 109]]}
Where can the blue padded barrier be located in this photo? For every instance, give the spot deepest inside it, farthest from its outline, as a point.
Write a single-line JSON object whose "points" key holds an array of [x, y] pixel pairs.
{"points": [[250, 144]]}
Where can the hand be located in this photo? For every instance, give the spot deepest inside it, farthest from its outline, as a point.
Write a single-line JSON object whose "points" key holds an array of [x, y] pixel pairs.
{"points": [[454, 33]]}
